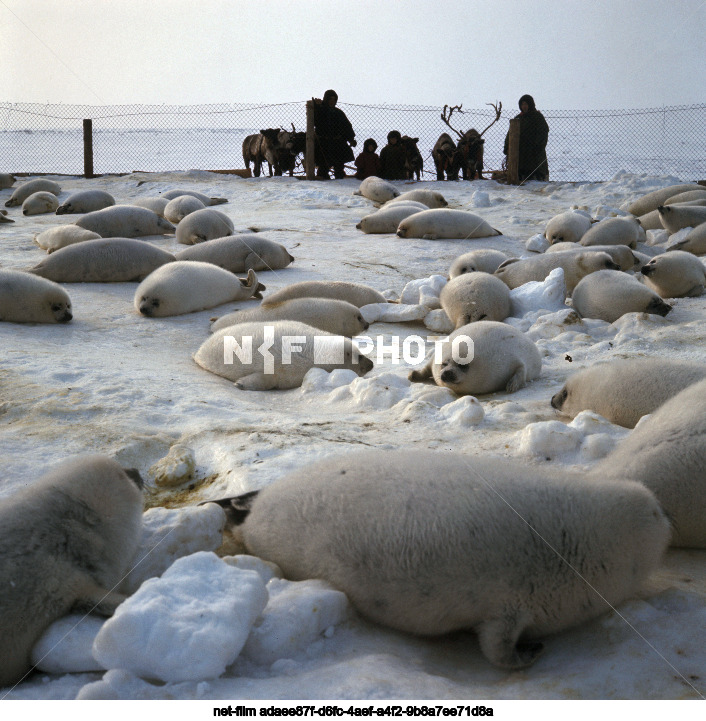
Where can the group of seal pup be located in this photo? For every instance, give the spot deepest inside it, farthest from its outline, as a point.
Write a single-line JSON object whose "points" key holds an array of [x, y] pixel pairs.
{"points": [[423, 542]]}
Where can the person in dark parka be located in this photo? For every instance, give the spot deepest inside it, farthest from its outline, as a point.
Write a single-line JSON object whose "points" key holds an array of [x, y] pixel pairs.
{"points": [[368, 162], [534, 133], [392, 157], [334, 136]]}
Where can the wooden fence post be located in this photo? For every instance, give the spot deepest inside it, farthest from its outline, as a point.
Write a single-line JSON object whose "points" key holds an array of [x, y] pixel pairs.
{"points": [[310, 160], [513, 153], [88, 148]]}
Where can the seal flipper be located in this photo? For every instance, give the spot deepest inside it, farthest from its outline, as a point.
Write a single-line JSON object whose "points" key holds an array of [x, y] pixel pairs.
{"points": [[499, 643], [420, 376], [517, 380]]}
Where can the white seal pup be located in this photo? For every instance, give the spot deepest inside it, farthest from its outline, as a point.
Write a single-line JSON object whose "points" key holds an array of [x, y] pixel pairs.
{"points": [[429, 542], [504, 358], [23, 191], [516, 272], [568, 227], [6, 180], [675, 275], [666, 453], [694, 242], [377, 189], [39, 203], [205, 199], [355, 293], [438, 223], [66, 540], [125, 221], [483, 260], [25, 298], [239, 253], [189, 286], [651, 201], [333, 316], [106, 260], [686, 196], [60, 236], [430, 198], [676, 217], [471, 297], [622, 391], [387, 219], [621, 254], [614, 231], [178, 208], [609, 294], [652, 220], [86, 201], [203, 225], [292, 350], [156, 205]]}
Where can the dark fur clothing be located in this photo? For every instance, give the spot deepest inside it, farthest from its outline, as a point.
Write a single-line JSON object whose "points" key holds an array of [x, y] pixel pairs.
{"points": [[392, 159], [534, 133], [368, 164], [334, 132]]}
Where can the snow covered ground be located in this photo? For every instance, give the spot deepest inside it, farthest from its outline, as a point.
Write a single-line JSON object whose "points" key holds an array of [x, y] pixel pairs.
{"points": [[114, 382]]}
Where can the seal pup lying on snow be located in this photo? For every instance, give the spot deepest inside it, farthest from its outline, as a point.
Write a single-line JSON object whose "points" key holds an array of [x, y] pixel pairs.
{"points": [[429, 543], [66, 540]]}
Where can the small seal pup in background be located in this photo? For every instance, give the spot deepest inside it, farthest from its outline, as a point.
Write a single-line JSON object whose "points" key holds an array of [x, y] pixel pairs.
{"points": [[429, 543], [622, 391], [504, 358], [355, 293], [483, 260], [66, 540], [666, 453], [26, 298]]}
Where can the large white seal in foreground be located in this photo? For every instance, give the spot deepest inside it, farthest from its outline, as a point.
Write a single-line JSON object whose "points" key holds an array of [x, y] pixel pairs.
{"points": [[189, 286], [293, 348], [66, 541], [445, 223], [504, 358], [25, 298], [430, 543], [666, 453], [624, 390]]}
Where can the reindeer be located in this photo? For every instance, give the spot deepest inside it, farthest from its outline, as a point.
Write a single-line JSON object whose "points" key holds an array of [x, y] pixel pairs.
{"points": [[262, 146], [413, 161], [446, 158], [288, 151], [468, 155]]}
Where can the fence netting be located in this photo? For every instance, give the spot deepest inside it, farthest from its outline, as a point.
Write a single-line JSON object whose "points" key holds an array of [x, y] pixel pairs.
{"points": [[584, 145]]}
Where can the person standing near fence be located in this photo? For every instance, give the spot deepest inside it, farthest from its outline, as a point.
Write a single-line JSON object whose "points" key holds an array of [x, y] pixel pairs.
{"points": [[392, 157], [534, 133], [334, 136]]}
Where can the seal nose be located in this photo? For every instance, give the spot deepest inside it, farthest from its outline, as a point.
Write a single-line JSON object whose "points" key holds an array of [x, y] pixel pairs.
{"points": [[146, 309], [647, 269], [66, 317], [555, 401], [448, 376]]}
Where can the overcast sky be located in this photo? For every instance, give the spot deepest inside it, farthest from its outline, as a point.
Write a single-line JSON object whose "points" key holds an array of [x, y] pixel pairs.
{"points": [[569, 54]]}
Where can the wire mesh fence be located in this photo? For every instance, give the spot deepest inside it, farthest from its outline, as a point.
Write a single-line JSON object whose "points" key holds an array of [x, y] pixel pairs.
{"points": [[583, 145]]}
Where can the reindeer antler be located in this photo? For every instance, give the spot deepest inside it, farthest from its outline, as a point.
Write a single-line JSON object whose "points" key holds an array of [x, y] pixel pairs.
{"points": [[446, 118], [498, 106]]}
